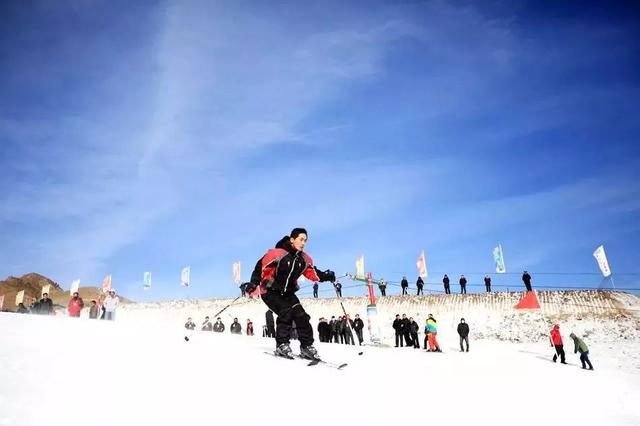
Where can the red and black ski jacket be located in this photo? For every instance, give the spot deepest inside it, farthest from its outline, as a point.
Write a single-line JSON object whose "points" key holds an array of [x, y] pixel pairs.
{"points": [[279, 269]]}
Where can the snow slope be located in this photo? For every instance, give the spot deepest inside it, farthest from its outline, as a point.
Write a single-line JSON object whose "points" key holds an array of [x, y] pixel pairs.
{"points": [[60, 370]]}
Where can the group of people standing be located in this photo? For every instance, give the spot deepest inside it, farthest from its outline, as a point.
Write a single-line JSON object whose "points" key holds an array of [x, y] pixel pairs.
{"points": [[446, 281], [578, 346], [106, 311], [219, 327], [406, 332], [341, 330]]}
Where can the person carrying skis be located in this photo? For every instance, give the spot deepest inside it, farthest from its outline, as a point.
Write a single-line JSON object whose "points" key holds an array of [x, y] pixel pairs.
{"points": [[275, 277], [580, 346], [556, 341]]}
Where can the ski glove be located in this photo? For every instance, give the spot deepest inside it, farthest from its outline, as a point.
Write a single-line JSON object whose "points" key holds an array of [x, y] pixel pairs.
{"points": [[250, 287], [327, 275]]}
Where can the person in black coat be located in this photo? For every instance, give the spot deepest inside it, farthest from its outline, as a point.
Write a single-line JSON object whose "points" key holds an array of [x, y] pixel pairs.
{"points": [[463, 285], [526, 279], [487, 283], [45, 306], [420, 285], [190, 325], [243, 289], [324, 330], [463, 332], [406, 330], [397, 326], [235, 328], [338, 288], [348, 325], [315, 290], [358, 326], [405, 285], [446, 281], [335, 332], [271, 324], [414, 328]]}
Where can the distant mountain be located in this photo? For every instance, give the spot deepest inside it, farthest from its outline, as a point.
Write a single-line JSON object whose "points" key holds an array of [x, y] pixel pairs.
{"points": [[32, 284]]}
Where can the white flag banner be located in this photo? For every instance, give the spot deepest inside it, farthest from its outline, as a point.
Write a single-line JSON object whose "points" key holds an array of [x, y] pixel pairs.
{"points": [[45, 289], [360, 267], [498, 258], [422, 265], [146, 281], [236, 272], [601, 257], [19, 297], [106, 284], [185, 277], [75, 285]]}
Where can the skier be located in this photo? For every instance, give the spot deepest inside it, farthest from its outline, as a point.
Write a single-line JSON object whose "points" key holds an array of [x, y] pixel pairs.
{"points": [[487, 283], [432, 329], [445, 281], [556, 341], [275, 277], [235, 328], [397, 326], [420, 285], [405, 285], [190, 325], [358, 326], [580, 346], [382, 285], [75, 305], [463, 285], [206, 325], [526, 279], [463, 332], [415, 328], [218, 326]]}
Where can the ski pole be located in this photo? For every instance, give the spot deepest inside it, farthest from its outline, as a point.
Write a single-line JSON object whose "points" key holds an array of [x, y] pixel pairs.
{"points": [[225, 308]]}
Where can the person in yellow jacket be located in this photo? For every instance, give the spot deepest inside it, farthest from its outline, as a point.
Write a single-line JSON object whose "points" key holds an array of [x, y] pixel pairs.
{"points": [[432, 329]]}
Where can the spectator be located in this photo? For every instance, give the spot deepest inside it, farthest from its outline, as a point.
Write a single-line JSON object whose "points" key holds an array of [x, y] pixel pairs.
{"points": [[382, 285], [358, 326], [338, 288], [235, 328], [487, 283], [265, 331], [526, 279], [463, 285], [334, 329], [218, 326], [414, 328], [556, 341], [22, 309], [397, 326], [94, 310], [111, 303], [419, 285], [315, 290], [189, 325], [432, 329], [405, 285], [324, 331], [445, 281], [271, 324], [45, 306], [340, 327], [207, 326], [348, 330], [406, 330], [243, 289], [75, 305], [249, 328], [463, 332], [580, 346]]}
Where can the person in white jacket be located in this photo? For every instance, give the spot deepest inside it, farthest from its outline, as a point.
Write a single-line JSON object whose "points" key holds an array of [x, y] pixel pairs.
{"points": [[110, 304]]}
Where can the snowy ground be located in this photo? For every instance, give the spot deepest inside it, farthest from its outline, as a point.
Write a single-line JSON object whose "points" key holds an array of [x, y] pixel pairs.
{"points": [[59, 370]]}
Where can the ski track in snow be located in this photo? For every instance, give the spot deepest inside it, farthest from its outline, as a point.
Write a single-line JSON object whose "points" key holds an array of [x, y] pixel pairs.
{"points": [[140, 370]]}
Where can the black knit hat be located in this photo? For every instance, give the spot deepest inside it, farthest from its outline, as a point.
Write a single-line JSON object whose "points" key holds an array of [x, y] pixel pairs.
{"points": [[297, 231]]}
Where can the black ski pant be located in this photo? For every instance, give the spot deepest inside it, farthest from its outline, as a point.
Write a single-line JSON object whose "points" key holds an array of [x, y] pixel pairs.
{"points": [[447, 290], [404, 290], [383, 291], [488, 288], [419, 291], [348, 338], [288, 309], [584, 358], [416, 341], [464, 339], [334, 337], [339, 293], [426, 340], [315, 293], [463, 289], [528, 286], [360, 338], [559, 353], [399, 339], [407, 338]]}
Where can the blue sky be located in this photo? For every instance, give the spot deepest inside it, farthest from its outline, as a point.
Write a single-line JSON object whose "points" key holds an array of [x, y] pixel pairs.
{"points": [[155, 135]]}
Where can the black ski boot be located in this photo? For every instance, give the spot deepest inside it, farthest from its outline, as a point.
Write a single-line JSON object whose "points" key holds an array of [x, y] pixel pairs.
{"points": [[284, 350], [309, 352]]}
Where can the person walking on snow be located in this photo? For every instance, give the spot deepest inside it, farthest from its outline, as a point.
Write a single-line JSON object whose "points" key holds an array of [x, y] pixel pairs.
{"points": [[463, 332], [419, 285], [275, 277], [405, 285], [580, 346], [75, 305], [556, 341]]}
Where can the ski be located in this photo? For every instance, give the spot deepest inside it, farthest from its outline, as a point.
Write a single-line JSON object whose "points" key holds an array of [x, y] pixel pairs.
{"points": [[311, 362]]}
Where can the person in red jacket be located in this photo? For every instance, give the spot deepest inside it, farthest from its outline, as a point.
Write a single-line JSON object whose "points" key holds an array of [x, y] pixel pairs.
{"points": [[75, 305], [556, 341]]}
